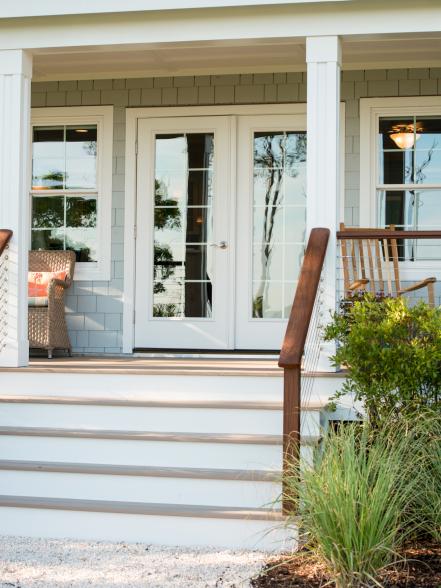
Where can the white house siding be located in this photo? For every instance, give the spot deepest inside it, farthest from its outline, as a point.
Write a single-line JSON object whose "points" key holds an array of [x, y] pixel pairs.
{"points": [[95, 308]]}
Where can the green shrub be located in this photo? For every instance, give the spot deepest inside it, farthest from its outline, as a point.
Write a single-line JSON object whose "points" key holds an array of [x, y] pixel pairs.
{"points": [[392, 352], [354, 501]]}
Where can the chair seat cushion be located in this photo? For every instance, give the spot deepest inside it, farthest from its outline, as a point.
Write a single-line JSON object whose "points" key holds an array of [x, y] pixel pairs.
{"points": [[38, 301], [38, 282]]}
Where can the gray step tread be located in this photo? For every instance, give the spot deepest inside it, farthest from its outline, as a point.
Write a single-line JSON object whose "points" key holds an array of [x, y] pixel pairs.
{"points": [[165, 436], [178, 366], [143, 435], [140, 508], [147, 471], [130, 402], [151, 403]]}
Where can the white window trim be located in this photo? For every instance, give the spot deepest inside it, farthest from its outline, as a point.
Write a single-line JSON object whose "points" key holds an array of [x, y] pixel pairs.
{"points": [[102, 116], [371, 109]]}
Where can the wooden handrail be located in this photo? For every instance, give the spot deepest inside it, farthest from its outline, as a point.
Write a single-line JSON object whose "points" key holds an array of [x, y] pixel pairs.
{"points": [[387, 234], [293, 347], [301, 311], [5, 237]]}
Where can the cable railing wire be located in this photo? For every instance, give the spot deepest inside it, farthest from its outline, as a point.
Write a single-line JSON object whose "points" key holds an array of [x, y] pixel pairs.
{"points": [[5, 236]]}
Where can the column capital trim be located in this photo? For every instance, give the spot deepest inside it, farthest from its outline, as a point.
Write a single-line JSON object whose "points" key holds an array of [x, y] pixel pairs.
{"points": [[16, 62], [323, 49]]}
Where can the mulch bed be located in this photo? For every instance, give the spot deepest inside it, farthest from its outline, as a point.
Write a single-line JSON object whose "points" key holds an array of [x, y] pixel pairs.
{"points": [[422, 569]]}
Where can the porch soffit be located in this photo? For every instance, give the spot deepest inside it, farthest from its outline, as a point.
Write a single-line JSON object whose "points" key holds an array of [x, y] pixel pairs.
{"points": [[234, 56]]}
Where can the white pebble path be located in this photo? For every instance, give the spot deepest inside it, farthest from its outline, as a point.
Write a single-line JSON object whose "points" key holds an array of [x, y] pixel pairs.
{"points": [[55, 563]]}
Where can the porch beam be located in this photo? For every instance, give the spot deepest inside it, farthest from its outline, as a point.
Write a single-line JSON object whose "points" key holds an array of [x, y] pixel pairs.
{"points": [[15, 89], [245, 23], [323, 58]]}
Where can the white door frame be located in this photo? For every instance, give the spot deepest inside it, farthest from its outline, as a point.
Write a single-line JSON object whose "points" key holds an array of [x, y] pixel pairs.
{"points": [[132, 117]]}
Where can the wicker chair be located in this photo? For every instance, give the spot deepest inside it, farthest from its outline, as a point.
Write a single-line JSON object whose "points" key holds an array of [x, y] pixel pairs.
{"points": [[47, 324]]}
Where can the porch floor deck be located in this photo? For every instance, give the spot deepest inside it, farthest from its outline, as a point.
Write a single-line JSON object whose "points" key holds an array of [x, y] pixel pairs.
{"points": [[208, 366], [154, 365]]}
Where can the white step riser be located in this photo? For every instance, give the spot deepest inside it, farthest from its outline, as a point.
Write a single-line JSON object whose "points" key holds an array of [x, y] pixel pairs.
{"points": [[148, 453], [195, 420], [183, 531], [144, 387], [141, 489]]}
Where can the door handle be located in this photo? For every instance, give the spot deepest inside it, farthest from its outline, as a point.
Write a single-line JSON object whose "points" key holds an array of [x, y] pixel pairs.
{"points": [[220, 244]]}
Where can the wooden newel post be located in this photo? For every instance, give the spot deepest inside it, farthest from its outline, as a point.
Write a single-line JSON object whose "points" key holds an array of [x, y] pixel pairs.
{"points": [[291, 432]]}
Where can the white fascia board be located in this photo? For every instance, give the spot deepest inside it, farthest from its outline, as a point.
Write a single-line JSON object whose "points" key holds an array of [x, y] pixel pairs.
{"points": [[26, 8], [92, 31]]}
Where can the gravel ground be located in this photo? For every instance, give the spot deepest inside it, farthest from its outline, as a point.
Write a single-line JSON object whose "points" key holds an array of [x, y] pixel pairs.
{"points": [[38, 563]]}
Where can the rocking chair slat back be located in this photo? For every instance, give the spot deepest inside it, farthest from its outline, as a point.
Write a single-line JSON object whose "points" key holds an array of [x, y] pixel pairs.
{"points": [[370, 262]]}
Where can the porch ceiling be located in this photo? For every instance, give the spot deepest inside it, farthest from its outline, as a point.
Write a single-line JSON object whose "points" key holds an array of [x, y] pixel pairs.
{"points": [[257, 55]]}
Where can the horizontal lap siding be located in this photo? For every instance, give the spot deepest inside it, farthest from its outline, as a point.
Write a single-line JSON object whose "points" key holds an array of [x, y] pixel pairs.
{"points": [[94, 308]]}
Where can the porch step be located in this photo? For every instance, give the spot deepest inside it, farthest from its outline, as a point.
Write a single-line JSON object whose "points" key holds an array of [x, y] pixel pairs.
{"points": [[246, 419], [146, 435], [148, 403], [142, 457], [229, 488], [146, 471], [142, 508], [164, 389], [164, 525]]}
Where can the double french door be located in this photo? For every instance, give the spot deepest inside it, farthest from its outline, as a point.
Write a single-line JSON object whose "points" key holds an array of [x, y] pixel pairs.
{"points": [[221, 215]]}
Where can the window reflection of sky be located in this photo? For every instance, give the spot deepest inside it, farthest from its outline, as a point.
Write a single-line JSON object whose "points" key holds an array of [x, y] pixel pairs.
{"points": [[73, 159]]}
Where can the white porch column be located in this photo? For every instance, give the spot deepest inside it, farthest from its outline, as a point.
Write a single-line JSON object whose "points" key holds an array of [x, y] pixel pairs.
{"points": [[15, 91], [323, 57]]}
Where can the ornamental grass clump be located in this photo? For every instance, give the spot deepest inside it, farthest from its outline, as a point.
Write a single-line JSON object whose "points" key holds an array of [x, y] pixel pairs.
{"points": [[355, 500], [428, 504], [392, 352]]}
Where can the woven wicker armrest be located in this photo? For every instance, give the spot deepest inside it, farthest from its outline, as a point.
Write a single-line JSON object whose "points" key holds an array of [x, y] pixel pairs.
{"points": [[55, 292], [63, 283]]}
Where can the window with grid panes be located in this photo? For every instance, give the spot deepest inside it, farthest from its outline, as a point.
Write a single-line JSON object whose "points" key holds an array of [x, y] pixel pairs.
{"points": [[408, 189], [71, 185]]}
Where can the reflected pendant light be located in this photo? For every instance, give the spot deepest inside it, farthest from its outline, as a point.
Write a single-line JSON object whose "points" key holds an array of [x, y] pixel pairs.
{"points": [[404, 136]]}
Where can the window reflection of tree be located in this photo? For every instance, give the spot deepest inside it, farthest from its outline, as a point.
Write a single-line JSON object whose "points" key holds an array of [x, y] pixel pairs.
{"points": [[164, 265], [65, 211], [274, 156]]}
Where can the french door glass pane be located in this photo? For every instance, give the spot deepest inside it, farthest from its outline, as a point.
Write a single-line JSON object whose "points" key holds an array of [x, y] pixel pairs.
{"points": [[279, 220], [183, 225]]}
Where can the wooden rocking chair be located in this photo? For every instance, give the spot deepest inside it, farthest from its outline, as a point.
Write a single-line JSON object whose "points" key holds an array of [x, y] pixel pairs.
{"points": [[372, 264]]}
